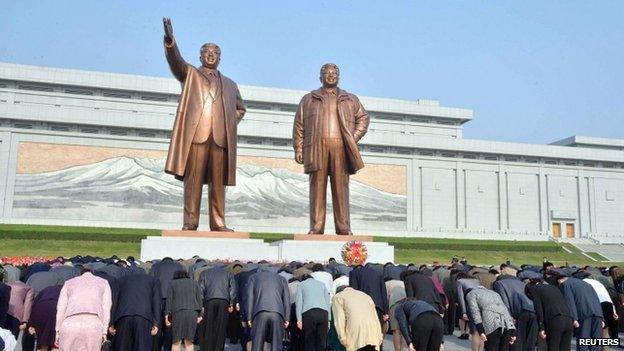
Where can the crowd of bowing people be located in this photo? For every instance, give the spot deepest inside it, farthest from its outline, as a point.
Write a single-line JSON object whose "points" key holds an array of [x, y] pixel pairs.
{"points": [[88, 304]]}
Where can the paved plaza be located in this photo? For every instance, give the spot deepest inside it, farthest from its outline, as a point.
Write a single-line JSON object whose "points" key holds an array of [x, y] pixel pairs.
{"points": [[451, 343]]}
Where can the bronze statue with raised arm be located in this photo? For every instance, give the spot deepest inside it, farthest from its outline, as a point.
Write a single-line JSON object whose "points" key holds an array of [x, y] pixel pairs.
{"points": [[328, 125], [203, 141]]}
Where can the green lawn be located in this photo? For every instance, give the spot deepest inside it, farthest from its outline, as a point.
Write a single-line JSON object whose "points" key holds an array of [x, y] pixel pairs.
{"points": [[68, 248], [37, 240], [490, 257]]}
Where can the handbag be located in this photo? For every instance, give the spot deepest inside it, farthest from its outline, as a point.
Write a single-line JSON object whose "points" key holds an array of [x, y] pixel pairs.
{"points": [[107, 346]]}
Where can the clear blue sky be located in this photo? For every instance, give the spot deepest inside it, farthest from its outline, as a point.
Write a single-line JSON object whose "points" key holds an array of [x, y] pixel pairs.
{"points": [[532, 71]]}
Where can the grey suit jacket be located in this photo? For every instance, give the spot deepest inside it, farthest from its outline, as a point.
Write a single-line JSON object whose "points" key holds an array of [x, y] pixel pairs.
{"points": [[218, 283], [267, 292]]}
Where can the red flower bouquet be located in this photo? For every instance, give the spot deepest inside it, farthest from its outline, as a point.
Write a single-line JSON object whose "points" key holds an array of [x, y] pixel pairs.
{"points": [[354, 253]]}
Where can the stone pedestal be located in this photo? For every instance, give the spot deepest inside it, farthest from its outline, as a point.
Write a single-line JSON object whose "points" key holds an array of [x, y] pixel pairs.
{"points": [[211, 248], [322, 251], [205, 234], [333, 237], [238, 246]]}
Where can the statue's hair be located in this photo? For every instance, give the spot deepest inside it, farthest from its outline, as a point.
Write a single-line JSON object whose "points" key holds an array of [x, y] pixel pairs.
{"points": [[207, 45], [329, 65]]}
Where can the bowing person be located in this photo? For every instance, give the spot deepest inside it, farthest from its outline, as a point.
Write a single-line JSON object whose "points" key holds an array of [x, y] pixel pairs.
{"points": [[421, 325], [554, 318], [183, 310], [492, 319], [137, 313], [312, 308], [219, 289], [268, 309], [83, 313]]}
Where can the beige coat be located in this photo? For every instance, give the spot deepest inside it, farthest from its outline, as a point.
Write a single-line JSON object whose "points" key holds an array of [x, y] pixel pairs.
{"points": [[356, 320]]}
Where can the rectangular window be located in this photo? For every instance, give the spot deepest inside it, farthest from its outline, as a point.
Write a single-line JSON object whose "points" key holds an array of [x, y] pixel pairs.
{"points": [[79, 91], [35, 87]]}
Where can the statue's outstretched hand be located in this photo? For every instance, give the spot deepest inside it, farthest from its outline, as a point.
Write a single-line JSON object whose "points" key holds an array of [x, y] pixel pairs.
{"points": [[168, 29]]}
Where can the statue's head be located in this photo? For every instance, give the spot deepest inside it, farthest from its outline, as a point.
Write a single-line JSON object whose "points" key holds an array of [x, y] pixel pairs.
{"points": [[210, 55], [330, 75]]}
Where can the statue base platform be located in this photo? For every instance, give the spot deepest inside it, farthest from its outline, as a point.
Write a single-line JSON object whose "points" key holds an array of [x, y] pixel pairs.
{"points": [[323, 250], [238, 246], [333, 237], [205, 234], [210, 248]]}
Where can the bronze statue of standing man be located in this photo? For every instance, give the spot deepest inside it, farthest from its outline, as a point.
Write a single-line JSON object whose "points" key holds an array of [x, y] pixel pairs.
{"points": [[203, 141], [328, 125]]}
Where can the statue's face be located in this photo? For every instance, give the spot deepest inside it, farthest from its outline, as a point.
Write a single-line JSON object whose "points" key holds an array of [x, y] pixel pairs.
{"points": [[330, 77], [210, 57]]}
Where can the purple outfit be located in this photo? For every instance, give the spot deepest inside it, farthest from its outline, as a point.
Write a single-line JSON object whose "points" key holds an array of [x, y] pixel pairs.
{"points": [[43, 315]]}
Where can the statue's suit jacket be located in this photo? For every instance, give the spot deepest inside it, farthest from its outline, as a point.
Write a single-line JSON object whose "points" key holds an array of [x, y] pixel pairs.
{"points": [[194, 96], [307, 130]]}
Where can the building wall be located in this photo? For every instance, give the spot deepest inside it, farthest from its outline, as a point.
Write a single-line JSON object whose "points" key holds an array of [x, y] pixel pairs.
{"points": [[58, 128], [418, 196]]}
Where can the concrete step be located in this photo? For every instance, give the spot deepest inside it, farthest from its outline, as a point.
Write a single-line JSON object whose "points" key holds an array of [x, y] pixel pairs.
{"points": [[614, 252]]}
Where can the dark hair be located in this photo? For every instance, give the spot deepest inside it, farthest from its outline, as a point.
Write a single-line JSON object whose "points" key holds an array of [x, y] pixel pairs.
{"points": [[463, 275], [547, 264], [529, 286], [180, 275], [494, 271], [341, 288], [317, 267]]}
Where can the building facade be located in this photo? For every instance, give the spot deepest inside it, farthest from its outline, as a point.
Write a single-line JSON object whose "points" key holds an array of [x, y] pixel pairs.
{"points": [[88, 148]]}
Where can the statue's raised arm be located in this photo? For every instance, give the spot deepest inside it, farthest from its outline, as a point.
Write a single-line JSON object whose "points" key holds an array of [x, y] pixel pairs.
{"points": [[176, 63], [168, 30]]}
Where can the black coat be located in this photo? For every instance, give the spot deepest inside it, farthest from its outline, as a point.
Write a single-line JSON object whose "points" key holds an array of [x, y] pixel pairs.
{"points": [[164, 271], [421, 287], [242, 279], [138, 295], [369, 280], [5, 296], [548, 303]]}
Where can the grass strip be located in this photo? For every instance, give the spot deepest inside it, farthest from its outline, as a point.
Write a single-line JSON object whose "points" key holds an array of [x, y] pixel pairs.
{"points": [[469, 245], [41, 232]]}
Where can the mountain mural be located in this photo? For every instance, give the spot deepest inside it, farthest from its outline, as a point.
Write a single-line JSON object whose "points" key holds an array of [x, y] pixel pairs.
{"points": [[130, 189]]}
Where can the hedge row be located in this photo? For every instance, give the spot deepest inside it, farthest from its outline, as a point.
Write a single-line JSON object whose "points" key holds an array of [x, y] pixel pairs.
{"points": [[271, 237], [55, 235], [470, 245]]}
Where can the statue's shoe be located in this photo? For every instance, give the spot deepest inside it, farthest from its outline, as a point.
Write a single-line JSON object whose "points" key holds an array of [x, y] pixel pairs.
{"points": [[222, 229]]}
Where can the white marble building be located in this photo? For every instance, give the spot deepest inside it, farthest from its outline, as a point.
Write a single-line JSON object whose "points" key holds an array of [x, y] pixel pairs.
{"points": [[58, 127]]}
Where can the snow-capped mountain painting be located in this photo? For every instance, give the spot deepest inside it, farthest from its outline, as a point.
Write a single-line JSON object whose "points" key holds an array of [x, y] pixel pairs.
{"points": [[128, 189]]}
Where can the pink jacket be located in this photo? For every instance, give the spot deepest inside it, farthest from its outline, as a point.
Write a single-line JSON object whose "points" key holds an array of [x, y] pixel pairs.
{"points": [[84, 294], [21, 301]]}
